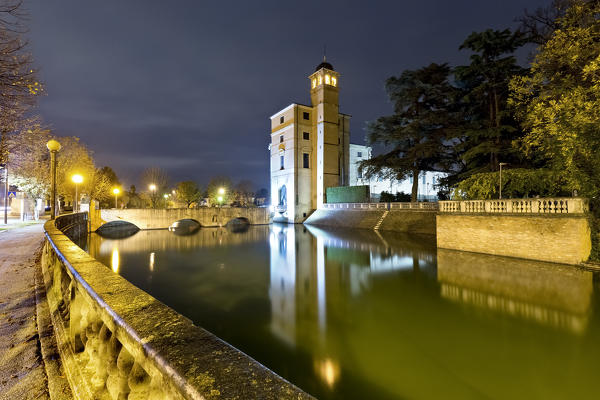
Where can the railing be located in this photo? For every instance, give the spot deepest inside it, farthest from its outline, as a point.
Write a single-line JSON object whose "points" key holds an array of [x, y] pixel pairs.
{"points": [[117, 342], [518, 206], [381, 206]]}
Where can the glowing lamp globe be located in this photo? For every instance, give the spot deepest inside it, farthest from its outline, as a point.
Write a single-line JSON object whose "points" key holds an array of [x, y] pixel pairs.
{"points": [[53, 145]]}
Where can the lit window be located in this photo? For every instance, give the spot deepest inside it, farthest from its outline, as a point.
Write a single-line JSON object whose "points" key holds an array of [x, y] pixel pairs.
{"points": [[327, 79], [333, 81], [314, 83], [320, 79]]}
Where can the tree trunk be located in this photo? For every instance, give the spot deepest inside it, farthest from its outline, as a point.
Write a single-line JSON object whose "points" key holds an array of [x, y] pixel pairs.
{"points": [[415, 185]]}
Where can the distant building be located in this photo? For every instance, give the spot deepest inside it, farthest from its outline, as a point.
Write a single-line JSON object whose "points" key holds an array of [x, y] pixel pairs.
{"points": [[428, 181], [309, 148]]}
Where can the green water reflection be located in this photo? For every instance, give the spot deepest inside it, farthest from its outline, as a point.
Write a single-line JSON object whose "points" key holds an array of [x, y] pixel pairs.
{"points": [[360, 314]]}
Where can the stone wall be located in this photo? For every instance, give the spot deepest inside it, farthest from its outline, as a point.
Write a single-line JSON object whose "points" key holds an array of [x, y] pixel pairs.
{"points": [[163, 218], [409, 221], [560, 238], [116, 341]]}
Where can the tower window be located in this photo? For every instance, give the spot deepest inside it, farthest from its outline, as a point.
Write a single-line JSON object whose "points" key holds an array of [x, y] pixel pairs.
{"points": [[314, 83], [327, 79], [333, 81], [281, 119], [306, 135], [305, 160], [306, 115], [281, 162], [320, 79], [281, 139]]}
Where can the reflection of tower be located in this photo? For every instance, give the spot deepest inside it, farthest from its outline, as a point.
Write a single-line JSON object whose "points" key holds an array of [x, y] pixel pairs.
{"points": [[309, 149], [283, 282]]}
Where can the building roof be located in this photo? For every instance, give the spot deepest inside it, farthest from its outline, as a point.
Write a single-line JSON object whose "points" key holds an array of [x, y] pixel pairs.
{"points": [[324, 64]]}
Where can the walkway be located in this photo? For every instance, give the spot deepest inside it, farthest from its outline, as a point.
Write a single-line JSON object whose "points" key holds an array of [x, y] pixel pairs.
{"points": [[23, 350]]}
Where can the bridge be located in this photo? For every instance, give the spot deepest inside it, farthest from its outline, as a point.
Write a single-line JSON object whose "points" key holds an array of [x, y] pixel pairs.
{"points": [[163, 218]]}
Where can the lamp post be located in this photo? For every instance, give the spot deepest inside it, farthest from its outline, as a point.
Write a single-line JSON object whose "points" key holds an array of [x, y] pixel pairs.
{"points": [[54, 147], [5, 166], [152, 188], [501, 165], [77, 179], [166, 196], [116, 193]]}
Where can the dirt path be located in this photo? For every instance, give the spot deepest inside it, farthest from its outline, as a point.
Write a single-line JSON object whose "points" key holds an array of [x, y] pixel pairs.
{"points": [[22, 369]]}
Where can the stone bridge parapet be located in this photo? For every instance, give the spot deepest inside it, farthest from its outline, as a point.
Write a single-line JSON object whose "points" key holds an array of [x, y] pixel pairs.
{"points": [[117, 342], [148, 218]]}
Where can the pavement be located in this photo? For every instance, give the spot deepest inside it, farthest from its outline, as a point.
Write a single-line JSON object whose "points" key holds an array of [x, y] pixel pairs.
{"points": [[29, 362]]}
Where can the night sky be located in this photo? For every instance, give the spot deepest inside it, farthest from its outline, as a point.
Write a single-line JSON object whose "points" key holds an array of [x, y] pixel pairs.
{"points": [[189, 86]]}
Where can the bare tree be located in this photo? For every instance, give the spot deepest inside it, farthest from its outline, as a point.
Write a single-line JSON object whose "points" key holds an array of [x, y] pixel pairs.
{"points": [[539, 25], [18, 84], [156, 181]]}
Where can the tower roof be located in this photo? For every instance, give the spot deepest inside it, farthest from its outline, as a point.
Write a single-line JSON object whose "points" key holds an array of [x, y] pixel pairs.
{"points": [[324, 64]]}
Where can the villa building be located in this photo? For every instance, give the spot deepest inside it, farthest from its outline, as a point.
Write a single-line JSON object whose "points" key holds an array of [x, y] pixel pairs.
{"points": [[309, 148]]}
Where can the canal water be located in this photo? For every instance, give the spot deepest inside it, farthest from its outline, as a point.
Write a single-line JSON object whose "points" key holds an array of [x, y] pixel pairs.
{"points": [[366, 315]]}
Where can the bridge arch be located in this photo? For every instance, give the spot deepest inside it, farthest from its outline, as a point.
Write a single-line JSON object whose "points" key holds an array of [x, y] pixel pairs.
{"points": [[185, 226], [117, 229], [238, 224]]}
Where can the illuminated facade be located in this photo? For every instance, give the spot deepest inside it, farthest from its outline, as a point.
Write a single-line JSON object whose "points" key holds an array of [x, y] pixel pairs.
{"points": [[309, 149]]}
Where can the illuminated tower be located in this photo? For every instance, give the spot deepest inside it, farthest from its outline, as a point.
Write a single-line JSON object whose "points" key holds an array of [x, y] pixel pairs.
{"points": [[309, 148]]}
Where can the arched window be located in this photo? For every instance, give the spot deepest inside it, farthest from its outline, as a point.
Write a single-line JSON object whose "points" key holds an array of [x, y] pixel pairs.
{"points": [[282, 196]]}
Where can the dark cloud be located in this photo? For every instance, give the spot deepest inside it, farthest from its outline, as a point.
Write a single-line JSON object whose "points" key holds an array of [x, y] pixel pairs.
{"points": [[189, 85]]}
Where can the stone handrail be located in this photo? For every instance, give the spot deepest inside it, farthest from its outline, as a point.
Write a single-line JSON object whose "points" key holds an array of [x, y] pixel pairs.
{"points": [[563, 205], [382, 206], [116, 341]]}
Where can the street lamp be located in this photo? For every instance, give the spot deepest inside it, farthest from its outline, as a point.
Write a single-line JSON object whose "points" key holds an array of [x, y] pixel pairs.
{"points": [[166, 196], [152, 188], [116, 192], [5, 192], [54, 147], [501, 165], [77, 179]]}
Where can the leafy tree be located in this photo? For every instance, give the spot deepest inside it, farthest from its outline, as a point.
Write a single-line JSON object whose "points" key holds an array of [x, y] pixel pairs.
{"points": [[188, 192], [487, 127], [516, 183], [416, 135], [558, 103], [134, 199], [102, 184], [213, 190]]}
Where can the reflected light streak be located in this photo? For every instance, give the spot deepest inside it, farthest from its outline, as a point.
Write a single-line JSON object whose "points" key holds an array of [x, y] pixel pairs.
{"points": [[151, 264], [328, 370], [115, 260]]}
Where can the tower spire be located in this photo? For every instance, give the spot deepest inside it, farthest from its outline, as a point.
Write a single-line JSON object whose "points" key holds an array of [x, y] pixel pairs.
{"points": [[324, 53]]}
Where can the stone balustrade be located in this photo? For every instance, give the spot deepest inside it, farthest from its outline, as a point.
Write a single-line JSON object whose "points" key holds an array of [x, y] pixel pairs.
{"points": [[565, 205], [382, 206], [118, 342]]}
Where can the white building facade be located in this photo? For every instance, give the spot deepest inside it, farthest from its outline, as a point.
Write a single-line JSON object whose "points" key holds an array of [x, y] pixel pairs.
{"points": [[428, 180]]}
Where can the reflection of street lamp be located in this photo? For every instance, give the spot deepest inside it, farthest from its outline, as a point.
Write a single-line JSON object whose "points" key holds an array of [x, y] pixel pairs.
{"points": [[54, 148], [116, 193], [501, 164], [77, 179]]}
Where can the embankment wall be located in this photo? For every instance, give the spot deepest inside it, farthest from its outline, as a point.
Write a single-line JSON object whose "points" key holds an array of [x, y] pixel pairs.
{"points": [[559, 238], [409, 221], [116, 341]]}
